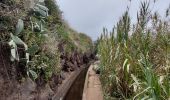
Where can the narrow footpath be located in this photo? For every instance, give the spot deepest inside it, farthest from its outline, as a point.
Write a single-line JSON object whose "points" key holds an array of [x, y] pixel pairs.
{"points": [[92, 87]]}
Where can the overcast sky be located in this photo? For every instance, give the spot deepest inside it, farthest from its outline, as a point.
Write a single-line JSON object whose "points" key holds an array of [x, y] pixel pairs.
{"points": [[90, 16]]}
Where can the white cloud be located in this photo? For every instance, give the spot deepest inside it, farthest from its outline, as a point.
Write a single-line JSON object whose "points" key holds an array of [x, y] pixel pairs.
{"points": [[90, 16]]}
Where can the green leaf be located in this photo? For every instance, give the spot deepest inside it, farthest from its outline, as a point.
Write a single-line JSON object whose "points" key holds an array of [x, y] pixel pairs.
{"points": [[42, 10], [128, 68], [42, 7], [42, 13], [16, 39], [43, 21], [19, 26], [32, 50], [33, 74], [125, 62], [135, 79], [14, 52]]}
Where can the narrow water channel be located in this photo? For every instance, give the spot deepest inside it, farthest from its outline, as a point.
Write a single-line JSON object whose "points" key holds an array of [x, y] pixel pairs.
{"points": [[76, 90]]}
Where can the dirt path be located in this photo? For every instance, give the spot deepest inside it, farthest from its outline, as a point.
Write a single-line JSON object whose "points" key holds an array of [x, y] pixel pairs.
{"points": [[92, 88]]}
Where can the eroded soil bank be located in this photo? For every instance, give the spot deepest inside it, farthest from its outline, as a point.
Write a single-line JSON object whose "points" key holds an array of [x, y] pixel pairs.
{"points": [[15, 86]]}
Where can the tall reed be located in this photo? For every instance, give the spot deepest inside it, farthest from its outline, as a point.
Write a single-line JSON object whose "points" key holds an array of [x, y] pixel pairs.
{"points": [[136, 66]]}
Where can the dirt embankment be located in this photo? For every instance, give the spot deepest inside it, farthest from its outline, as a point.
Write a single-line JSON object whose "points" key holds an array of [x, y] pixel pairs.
{"points": [[15, 85]]}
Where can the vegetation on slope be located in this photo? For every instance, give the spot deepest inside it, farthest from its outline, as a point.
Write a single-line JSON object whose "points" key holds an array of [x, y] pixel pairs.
{"points": [[136, 66], [37, 26]]}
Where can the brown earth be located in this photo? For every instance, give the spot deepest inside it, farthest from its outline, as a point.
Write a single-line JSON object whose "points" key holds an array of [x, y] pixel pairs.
{"points": [[15, 85]]}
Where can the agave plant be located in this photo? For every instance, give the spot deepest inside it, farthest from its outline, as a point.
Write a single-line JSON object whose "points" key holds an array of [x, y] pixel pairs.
{"points": [[40, 12], [41, 60], [15, 40]]}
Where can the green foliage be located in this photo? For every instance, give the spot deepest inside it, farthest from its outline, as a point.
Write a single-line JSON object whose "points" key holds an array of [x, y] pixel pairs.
{"points": [[42, 30], [40, 13], [19, 26], [123, 28], [54, 11], [32, 74], [33, 49], [136, 67], [40, 10], [14, 53], [40, 50], [16, 39], [85, 42], [8, 2]]}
